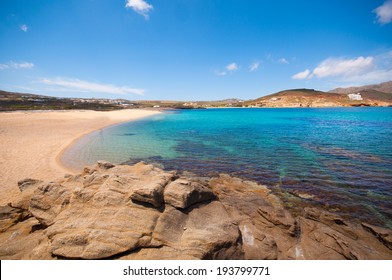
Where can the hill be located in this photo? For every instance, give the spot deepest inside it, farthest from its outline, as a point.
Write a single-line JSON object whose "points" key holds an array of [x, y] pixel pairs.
{"points": [[11, 101], [363, 96], [314, 98], [382, 88]]}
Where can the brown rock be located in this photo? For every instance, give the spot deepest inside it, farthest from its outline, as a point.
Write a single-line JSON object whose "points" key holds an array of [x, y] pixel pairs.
{"points": [[383, 234], [89, 170], [28, 183], [95, 218], [20, 242], [93, 233], [94, 179], [105, 164], [210, 232], [169, 227], [10, 216], [183, 193], [27, 188], [318, 240], [22, 201], [319, 243], [152, 192], [103, 213], [332, 220], [48, 201], [256, 245], [254, 206]]}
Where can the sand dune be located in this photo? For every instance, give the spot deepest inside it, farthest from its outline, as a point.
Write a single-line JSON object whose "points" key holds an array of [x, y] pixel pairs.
{"points": [[31, 141]]}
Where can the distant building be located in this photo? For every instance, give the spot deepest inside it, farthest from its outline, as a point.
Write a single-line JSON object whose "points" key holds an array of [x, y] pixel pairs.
{"points": [[190, 104], [355, 96]]}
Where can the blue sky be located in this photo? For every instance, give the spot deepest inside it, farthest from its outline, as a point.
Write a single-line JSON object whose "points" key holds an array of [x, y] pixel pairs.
{"points": [[192, 49]]}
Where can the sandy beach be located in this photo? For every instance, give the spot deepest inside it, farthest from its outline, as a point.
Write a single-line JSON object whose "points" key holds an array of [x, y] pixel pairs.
{"points": [[32, 141]]}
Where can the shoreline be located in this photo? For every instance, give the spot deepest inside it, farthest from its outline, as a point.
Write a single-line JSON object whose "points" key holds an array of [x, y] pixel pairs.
{"points": [[33, 142], [82, 135]]}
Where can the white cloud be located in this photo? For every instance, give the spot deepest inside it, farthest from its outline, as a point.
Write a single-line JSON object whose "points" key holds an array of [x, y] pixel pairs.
{"points": [[283, 61], [25, 65], [139, 6], [375, 76], [344, 67], [254, 66], [24, 27], [221, 73], [359, 70], [84, 86], [232, 67], [228, 69], [384, 12], [302, 75], [15, 65]]}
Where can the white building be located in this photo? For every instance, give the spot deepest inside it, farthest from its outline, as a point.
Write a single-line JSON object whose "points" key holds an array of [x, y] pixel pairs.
{"points": [[355, 96]]}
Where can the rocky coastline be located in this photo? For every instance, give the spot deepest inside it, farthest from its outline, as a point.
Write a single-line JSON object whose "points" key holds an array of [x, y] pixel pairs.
{"points": [[142, 212]]}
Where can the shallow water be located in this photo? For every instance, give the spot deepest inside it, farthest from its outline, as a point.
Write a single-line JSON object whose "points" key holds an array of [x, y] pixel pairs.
{"points": [[338, 158]]}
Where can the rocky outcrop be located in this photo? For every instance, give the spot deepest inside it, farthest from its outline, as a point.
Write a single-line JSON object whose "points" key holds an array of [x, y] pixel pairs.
{"points": [[143, 212]]}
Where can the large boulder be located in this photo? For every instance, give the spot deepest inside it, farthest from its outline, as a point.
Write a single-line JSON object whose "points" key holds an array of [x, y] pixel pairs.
{"points": [[205, 232], [95, 217], [27, 188], [183, 193], [267, 228], [48, 201], [152, 192], [90, 232]]}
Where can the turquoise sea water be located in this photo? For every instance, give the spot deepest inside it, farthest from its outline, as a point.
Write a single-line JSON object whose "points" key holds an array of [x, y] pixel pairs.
{"points": [[337, 158]]}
